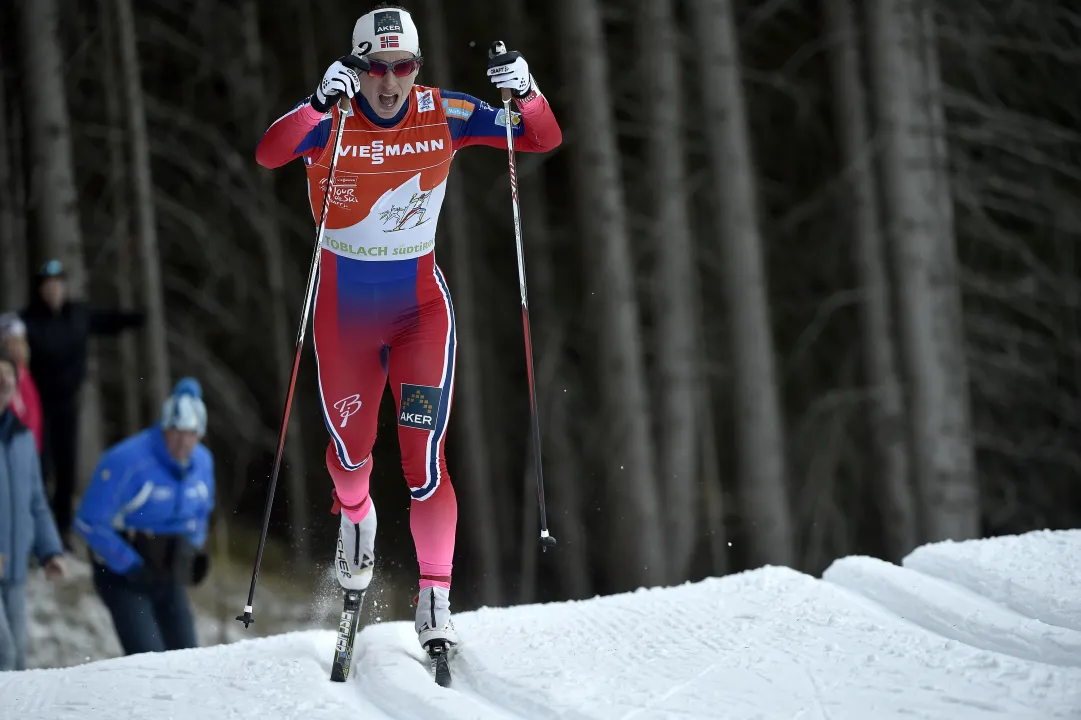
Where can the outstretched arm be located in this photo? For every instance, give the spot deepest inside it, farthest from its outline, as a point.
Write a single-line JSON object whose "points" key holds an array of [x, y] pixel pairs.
{"points": [[113, 322]]}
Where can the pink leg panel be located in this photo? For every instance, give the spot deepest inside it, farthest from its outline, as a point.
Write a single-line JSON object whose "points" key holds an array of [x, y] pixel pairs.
{"points": [[433, 522], [350, 488]]}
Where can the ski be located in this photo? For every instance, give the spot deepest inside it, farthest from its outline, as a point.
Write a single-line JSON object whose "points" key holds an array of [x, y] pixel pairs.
{"points": [[347, 631], [437, 653]]}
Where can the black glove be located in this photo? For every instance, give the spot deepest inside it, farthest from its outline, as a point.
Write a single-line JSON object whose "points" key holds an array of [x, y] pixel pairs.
{"points": [[341, 77], [183, 560], [189, 564], [200, 566]]}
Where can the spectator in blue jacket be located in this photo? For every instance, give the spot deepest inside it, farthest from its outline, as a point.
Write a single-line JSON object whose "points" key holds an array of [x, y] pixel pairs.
{"points": [[145, 517], [26, 523]]}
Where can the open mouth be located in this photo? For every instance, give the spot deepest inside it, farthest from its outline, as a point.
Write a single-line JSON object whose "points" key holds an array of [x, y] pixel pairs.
{"points": [[388, 101]]}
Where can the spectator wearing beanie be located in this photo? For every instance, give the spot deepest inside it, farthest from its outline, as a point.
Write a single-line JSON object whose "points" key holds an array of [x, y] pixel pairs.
{"points": [[145, 517]]}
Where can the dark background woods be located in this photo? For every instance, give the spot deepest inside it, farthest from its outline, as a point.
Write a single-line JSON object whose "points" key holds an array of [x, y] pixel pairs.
{"points": [[802, 275]]}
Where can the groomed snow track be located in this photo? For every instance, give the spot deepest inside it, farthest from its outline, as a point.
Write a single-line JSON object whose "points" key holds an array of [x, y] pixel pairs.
{"points": [[983, 629]]}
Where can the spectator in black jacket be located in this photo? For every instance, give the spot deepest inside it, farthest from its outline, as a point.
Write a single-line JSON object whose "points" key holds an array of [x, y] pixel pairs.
{"points": [[57, 329]]}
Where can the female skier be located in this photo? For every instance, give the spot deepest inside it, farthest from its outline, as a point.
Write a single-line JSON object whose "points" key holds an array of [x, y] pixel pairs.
{"points": [[383, 308]]}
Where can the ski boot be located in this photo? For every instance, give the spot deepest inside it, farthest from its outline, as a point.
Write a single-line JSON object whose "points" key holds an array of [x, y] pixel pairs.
{"points": [[435, 630], [354, 557]]}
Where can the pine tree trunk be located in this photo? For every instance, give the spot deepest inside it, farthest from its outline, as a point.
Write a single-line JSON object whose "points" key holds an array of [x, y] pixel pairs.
{"points": [[922, 243], [294, 469], [127, 250], [636, 540], [21, 205], [155, 354], [764, 496], [962, 492], [891, 480], [470, 390], [676, 334], [13, 270], [52, 196]]}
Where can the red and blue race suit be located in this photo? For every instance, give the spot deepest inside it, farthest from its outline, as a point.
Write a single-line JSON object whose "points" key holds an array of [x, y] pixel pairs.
{"points": [[383, 308]]}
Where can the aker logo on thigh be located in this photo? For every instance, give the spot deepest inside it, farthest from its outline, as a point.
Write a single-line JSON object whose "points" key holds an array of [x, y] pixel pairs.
{"points": [[420, 406]]}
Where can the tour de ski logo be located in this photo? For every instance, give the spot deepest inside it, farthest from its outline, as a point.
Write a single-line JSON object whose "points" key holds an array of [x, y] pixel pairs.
{"points": [[425, 101], [344, 192], [408, 216]]}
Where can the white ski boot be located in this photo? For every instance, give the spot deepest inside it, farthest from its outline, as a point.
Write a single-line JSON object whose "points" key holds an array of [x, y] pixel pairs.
{"points": [[435, 630], [433, 617], [354, 559]]}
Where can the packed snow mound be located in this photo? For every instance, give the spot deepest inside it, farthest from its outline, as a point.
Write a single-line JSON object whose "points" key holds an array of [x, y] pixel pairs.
{"points": [[1037, 574], [961, 631]]}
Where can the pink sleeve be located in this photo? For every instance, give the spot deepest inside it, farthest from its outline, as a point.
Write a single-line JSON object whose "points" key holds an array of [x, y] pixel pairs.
{"points": [[283, 139]]}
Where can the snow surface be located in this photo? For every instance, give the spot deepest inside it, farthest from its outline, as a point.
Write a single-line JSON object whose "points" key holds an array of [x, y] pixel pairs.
{"points": [[69, 625], [983, 629]]}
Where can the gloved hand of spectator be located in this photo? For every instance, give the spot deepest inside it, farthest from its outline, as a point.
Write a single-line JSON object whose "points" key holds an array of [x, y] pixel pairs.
{"points": [[190, 564], [200, 567]]}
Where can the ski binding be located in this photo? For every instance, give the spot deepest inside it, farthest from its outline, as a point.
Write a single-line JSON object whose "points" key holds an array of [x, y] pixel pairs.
{"points": [[438, 651]]}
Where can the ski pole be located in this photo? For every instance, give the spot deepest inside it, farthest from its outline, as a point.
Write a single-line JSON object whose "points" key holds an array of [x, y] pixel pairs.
{"points": [[546, 540], [313, 272]]}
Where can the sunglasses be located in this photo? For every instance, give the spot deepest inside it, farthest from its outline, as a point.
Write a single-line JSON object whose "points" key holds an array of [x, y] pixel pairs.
{"points": [[401, 68]]}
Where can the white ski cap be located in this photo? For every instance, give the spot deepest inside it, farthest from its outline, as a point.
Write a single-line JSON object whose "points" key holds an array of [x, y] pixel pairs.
{"points": [[385, 30], [184, 408]]}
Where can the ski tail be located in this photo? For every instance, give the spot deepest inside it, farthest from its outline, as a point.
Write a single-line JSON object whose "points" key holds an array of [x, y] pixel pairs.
{"points": [[347, 631]]}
